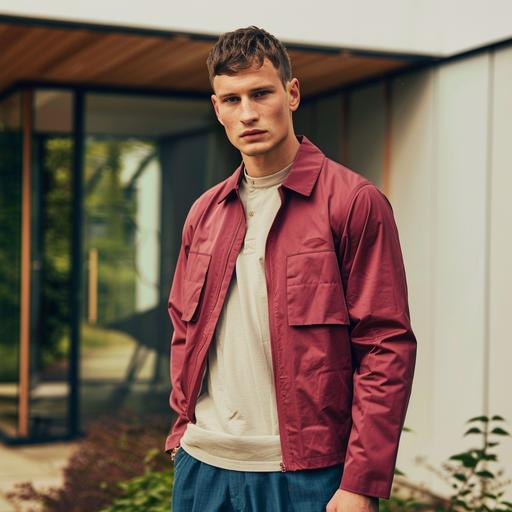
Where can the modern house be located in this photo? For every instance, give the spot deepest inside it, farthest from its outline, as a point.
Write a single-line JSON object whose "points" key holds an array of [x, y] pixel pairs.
{"points": [[107, 135]]}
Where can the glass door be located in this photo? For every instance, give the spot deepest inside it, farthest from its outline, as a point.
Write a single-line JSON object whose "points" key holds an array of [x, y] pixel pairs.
{"points": [[124, 331], [50, 332], [145, 161], [120, 367]]}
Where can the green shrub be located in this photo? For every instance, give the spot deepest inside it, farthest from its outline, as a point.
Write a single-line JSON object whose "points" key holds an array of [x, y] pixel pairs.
{"points": [[150, 492], [115, 450], [477, 487]]}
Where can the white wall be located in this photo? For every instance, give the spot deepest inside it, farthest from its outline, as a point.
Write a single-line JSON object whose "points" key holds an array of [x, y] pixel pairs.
{"points": [[431, 27], [500, 245], [450, 182], [411, 193]]}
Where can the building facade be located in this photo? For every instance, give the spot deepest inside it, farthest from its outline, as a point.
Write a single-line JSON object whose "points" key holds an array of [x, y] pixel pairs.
{"points": [[107, 135]]}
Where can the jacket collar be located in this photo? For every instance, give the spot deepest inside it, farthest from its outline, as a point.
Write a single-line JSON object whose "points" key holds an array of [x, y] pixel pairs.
{"points": [[301, 178]]}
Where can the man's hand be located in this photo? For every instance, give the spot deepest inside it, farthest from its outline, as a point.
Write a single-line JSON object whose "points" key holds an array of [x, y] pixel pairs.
{"points": [[346, 501]]}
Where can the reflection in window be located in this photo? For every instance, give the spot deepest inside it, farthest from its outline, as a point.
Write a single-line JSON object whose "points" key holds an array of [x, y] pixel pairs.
{"points": [[122, 226], [51, 272], [145, 161]]}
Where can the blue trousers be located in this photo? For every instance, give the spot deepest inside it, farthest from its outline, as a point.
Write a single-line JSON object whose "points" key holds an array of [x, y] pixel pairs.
{"points": [[200, 487]]}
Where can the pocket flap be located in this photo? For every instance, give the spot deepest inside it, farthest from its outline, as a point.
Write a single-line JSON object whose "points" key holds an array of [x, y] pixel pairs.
{"points": [[195, 277], [314, 289]]}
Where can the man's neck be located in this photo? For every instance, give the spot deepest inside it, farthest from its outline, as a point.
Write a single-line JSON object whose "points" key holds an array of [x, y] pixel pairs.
{"points": [[272, 162]]}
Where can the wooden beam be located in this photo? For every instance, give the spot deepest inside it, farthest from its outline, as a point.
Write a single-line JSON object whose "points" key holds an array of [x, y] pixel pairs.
{"points": [[26, 258]]}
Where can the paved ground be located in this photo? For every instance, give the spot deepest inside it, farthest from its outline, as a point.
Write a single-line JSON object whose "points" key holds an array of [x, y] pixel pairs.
{"points": [[40, 464]]}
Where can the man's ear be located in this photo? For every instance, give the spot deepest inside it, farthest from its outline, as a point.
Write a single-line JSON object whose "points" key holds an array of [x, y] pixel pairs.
{"points": [[214, 100], [293, 94]]}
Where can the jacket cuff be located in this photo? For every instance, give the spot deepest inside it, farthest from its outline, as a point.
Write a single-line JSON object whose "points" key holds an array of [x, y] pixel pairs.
{"points": [[361, 483]]}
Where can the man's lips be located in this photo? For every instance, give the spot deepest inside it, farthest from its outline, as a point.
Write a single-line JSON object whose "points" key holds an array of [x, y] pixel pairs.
{"points": [[252, 134]]}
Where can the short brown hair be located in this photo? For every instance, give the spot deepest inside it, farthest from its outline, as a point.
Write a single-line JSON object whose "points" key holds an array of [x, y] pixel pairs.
{"points": [[241, 48]]}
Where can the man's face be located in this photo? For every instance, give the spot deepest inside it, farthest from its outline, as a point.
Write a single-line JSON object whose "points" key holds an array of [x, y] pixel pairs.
{"points": [[255, 99]]}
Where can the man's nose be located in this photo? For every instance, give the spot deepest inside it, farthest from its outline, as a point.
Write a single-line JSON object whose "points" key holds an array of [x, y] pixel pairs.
{"points": [[247, 111]]}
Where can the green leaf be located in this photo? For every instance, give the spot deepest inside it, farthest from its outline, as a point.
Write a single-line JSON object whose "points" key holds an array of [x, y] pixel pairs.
{"points": [[461, 503], [484, 473], [467, 459], [499, 431], [473, 430], [485, 419]]}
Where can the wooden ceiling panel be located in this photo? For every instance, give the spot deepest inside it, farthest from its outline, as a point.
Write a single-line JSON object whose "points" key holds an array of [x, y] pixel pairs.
{"points": [[183, 64], [326, 64], [194, 80], [84, 55], [136, 49], [145, 64], [299, 59], [79, 65], [177, 61], [355, 72], [70, 42], [27, 57], [21, 44], [8, 34]]}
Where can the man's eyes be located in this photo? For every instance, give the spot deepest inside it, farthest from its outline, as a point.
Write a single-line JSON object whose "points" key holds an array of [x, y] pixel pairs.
{"points": [[257, 94]]}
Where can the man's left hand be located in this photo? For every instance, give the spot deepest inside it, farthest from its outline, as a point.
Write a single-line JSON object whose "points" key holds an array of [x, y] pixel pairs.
{"points": [[346, 501]]}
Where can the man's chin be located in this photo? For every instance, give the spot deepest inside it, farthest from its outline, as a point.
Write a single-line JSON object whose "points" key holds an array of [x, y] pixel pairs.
{"points": [[255, 148]]}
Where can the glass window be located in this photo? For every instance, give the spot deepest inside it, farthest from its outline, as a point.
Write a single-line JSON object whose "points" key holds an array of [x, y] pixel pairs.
{"points": [[51, 269], [146, 160], [10, 256]]}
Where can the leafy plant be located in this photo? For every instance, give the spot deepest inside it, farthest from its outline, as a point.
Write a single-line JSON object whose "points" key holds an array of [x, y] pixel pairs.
{"points": [[477, 487], [115, 450], [151, 492]]}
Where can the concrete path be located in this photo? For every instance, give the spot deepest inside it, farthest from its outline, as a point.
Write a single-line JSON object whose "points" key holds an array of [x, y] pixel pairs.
{"points": [[41, 464]]}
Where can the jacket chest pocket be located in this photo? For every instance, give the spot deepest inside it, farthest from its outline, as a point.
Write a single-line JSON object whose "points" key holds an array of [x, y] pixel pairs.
{"points": [[195, 278], [314, 289]]}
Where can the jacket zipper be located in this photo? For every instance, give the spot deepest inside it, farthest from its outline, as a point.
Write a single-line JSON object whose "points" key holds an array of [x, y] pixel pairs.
{"points": [[196, 394], [202, 380], [270, 316], [274, 357]]}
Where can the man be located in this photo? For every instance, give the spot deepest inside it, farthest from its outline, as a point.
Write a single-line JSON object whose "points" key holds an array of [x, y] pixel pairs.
{"points": [[292, 356]]}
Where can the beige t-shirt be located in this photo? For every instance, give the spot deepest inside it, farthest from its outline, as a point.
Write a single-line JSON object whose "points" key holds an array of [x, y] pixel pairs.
{"points": [[236, 414]]}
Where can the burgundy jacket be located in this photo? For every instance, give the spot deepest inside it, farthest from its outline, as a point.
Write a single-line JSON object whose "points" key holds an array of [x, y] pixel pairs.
{"points": [[343, 350]]}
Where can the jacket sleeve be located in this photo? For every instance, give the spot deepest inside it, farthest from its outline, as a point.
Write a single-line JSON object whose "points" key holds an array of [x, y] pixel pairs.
{"points": [[383, 344], [175, 307]]}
